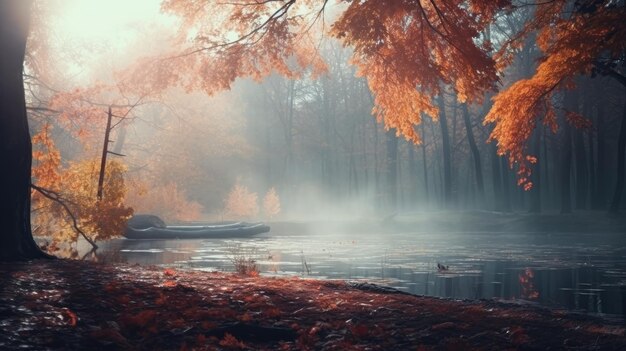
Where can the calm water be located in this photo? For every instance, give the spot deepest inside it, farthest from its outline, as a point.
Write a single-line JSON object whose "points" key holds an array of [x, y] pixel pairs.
{"points": [[582, 272]]}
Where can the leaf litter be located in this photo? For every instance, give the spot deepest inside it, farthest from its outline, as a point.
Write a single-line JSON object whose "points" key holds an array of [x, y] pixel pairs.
{"points": [[64, 304]]}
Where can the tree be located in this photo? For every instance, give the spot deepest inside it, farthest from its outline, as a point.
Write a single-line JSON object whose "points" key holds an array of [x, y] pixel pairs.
{"points": [[447, 153], [64, 201], [621, 173], [409, 52], [478, 169], [583, 40], [16, 241], [167, 201], [241, 203], [271, 204]]}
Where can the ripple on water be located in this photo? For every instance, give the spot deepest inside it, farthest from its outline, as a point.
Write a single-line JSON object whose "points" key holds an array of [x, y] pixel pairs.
{"points": [[143, 250], [561, 269]]}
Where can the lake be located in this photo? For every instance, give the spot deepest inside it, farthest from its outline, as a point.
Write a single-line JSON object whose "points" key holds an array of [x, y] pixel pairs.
{"points": [[581, 272]]}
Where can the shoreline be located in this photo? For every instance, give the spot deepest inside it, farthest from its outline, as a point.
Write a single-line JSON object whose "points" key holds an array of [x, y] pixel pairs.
{"points": [[64, 304]]}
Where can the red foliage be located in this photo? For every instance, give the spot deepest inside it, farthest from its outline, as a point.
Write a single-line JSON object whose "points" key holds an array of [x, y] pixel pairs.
{"points": [[526, 280], [288, 314], [170, 283], [578, 120], [140, 320]]}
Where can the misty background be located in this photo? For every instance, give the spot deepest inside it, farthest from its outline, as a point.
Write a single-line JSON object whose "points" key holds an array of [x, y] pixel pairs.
{"points": [[314, 141]]}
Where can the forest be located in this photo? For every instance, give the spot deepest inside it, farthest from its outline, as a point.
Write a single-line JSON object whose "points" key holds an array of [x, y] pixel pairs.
{"points": [[316, 120], [465, 132]]}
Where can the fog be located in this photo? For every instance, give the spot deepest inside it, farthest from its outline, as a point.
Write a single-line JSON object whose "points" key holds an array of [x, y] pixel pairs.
{"points": [[313, 139], [213, 121]]}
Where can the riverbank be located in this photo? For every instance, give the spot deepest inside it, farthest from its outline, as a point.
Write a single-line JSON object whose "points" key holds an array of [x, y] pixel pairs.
{"points": [[63, 304], [578, 222]]}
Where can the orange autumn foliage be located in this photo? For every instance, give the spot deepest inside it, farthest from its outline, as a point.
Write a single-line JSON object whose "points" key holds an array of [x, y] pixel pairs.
{"points": [[167, 201], [46, 159], [77, 186], [407, 51], [572, 45], [241, 203], [271, 204], [273, 36]]}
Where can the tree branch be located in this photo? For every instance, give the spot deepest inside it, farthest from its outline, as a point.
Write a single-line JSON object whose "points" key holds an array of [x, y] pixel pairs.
{"points": [[605, 69], [279, 13], [54, 196]]}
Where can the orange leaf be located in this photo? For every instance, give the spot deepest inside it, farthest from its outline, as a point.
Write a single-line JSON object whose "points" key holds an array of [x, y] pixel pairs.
{"points": [[170, 284], [73, 319]]}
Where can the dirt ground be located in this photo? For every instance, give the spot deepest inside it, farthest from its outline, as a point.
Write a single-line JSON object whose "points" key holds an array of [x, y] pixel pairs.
{"points": [[76, 305]]}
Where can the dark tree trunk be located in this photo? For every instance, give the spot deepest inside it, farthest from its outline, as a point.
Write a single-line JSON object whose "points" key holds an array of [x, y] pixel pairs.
{"points": [[288, 166], [447, 154], [475, 154], [566, 158], [588, 112], [269, 180], [377, 187], [621, 153], [582, 173], [392, 169], [599, 197], [425, 168], [548, 178], [120, 139], [437, 178], [16, 240], [535, 192], [506, 185], [496, 177], [566, 164], [413, 170]]}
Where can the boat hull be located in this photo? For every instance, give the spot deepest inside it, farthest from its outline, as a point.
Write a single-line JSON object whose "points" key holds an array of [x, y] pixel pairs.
{"points": [[235, 230]]}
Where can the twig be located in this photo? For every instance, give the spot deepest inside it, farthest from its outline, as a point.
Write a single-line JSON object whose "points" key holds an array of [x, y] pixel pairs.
{"points": [[274, 17], [92, 251], [54, 196]]}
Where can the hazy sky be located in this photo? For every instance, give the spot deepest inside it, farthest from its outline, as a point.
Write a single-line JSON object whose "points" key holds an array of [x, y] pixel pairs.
{"points": [[108, 20], [103, 27]]}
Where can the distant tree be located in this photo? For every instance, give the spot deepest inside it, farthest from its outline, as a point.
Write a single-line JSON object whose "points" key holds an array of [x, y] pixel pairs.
{"points": [[271, 204], [241, 203], [167, 201]]}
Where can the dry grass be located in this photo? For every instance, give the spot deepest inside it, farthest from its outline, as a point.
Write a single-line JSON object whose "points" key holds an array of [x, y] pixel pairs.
{"points": [[244, 260]]}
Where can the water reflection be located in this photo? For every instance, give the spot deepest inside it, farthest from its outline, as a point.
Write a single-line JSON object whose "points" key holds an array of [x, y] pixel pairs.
{"points": [[586, 274]]}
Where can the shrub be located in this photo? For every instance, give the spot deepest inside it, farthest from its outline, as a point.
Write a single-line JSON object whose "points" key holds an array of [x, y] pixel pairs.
{"points": [[244, 261]]}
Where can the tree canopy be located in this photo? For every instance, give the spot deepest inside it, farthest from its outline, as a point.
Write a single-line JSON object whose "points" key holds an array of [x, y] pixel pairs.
{"points": [[409, 50]]}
